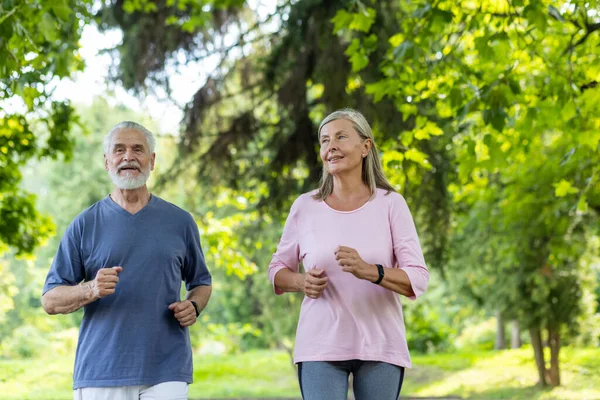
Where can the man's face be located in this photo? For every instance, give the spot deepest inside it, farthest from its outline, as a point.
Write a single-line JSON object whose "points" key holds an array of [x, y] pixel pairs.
{"points": [[128, 160]]}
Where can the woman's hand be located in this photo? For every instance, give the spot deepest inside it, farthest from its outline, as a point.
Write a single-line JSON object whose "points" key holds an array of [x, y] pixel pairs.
{"points": [[352, 262], [315, 282]]}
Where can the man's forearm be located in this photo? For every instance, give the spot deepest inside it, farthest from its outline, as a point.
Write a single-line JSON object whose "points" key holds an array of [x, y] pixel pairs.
{"points": [[200, 294], [67, 299]]}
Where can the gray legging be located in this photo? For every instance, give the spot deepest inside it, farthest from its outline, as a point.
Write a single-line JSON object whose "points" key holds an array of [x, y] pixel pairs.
{"points": [[328, 380]]}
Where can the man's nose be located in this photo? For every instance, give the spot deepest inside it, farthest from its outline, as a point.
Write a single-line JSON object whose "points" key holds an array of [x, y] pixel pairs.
{"points": [[129, 154]]}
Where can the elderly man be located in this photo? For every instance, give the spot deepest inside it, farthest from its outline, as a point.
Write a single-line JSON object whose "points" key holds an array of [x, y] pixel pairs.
{"points": [[123, 260]]}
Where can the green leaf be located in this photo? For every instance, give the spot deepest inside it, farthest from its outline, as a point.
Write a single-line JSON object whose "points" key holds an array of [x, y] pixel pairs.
{"points": [[392, 158], [418, 157], [407, 110], [370, 43], [428, 130], [171, 20], [405, 50], [484, 50], [590, 139], [47, 27], [563, 188], [456, 97], [378, 90], [359, 61], [362, 21], [582, 204], [396, 40], [422, 12], [354, 47], [496, 117], [29, 95], [440, 19], [536, 16], [407, 138], [514, 85], [341, 21], [61, 10]]}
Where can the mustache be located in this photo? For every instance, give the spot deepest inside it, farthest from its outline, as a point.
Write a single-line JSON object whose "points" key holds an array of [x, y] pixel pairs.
{"points": [[129, 164]]}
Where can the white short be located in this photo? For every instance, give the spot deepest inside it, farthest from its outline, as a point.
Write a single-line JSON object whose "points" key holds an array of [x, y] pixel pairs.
{"points": [[162, 391]]}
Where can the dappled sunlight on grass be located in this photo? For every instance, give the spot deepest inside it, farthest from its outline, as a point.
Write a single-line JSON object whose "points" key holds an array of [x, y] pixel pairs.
{"points": [[508, 374], [251, 374], [49, 378], [511, 374]]}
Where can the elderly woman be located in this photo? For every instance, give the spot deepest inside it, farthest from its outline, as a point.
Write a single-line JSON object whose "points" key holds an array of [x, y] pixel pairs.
{"points": [[358, 245]]}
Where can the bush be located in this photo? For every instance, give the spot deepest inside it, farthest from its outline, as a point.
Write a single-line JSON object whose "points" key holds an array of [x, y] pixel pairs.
{"points": [[425, 332], [479, 336], [25, 342]]}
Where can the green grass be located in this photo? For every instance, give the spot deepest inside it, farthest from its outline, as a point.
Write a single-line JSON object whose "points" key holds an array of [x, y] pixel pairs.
{"points": [[506, 374]]}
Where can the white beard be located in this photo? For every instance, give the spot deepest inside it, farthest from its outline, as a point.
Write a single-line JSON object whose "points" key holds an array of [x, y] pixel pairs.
{"points": [[126, 182]]}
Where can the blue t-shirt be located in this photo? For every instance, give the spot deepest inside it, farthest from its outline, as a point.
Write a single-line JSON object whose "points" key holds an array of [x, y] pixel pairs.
{"points": [[131, 337]]}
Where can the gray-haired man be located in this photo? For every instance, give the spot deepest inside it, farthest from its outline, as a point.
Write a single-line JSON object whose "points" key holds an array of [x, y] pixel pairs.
{"points": [[123, 260]]}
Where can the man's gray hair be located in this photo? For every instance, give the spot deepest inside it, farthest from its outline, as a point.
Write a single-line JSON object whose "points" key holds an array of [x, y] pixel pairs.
{"points": [[129, 125]]}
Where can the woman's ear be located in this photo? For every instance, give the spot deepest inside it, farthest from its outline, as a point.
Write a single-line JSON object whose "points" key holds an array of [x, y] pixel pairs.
{"points": [[368, 144]]}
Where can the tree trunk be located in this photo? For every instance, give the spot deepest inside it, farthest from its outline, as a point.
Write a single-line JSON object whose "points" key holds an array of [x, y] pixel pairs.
{"points": [[538, 352], [500, 343], [515, 335], [554, 343]]}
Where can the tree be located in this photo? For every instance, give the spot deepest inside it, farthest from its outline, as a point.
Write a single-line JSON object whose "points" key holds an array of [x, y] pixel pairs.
{"points": [[38, 46], [252, 126], [515, 84], [485, 112]]}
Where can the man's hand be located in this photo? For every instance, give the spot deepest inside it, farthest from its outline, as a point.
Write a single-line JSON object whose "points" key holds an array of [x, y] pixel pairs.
{"points": [[184, 311], [352, 262], [105, 282], [315, 282]]}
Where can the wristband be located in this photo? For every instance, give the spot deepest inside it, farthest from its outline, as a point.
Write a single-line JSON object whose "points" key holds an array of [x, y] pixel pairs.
{"points": [[381, 274], [195, 307]]}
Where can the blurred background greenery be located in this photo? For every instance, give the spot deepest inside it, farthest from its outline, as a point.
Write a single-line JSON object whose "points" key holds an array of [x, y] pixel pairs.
{"points": [[486, 116]]}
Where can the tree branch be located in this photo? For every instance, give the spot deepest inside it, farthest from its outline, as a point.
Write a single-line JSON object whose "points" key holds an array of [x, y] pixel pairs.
{"points": [[590, 28]]}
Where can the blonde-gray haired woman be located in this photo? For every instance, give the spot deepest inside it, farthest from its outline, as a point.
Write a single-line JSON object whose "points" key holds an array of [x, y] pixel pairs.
{"points": [[357, 242]]}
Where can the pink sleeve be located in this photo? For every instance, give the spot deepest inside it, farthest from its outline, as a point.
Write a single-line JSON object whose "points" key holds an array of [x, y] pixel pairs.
{"points": [[407, 248], [288, 252]]}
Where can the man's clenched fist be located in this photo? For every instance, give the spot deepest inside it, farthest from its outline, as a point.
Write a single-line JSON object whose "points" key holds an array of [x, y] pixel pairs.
{"points": [[184, 311], [105, 282]]}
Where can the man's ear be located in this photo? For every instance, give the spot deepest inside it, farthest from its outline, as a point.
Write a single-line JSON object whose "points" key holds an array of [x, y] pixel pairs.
{"points": [[105, 162], [152, 161]]}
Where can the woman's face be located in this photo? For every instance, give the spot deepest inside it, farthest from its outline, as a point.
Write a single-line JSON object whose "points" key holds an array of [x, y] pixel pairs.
{"points": [[342, 149]]}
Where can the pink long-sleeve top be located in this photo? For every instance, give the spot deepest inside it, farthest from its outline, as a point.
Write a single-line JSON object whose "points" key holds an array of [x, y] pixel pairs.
{"points": [[353, 318]]}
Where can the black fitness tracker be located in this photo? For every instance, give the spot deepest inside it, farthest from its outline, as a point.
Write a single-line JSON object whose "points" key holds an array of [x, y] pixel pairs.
{"points": [[381, 273], [195, 307]]}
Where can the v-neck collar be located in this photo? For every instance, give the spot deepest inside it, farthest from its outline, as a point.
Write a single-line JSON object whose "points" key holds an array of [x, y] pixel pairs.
{"points": [[114, 206]]}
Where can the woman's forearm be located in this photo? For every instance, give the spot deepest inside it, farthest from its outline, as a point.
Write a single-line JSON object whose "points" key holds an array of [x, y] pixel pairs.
{"points": [[397, 280], [289, 281]]}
